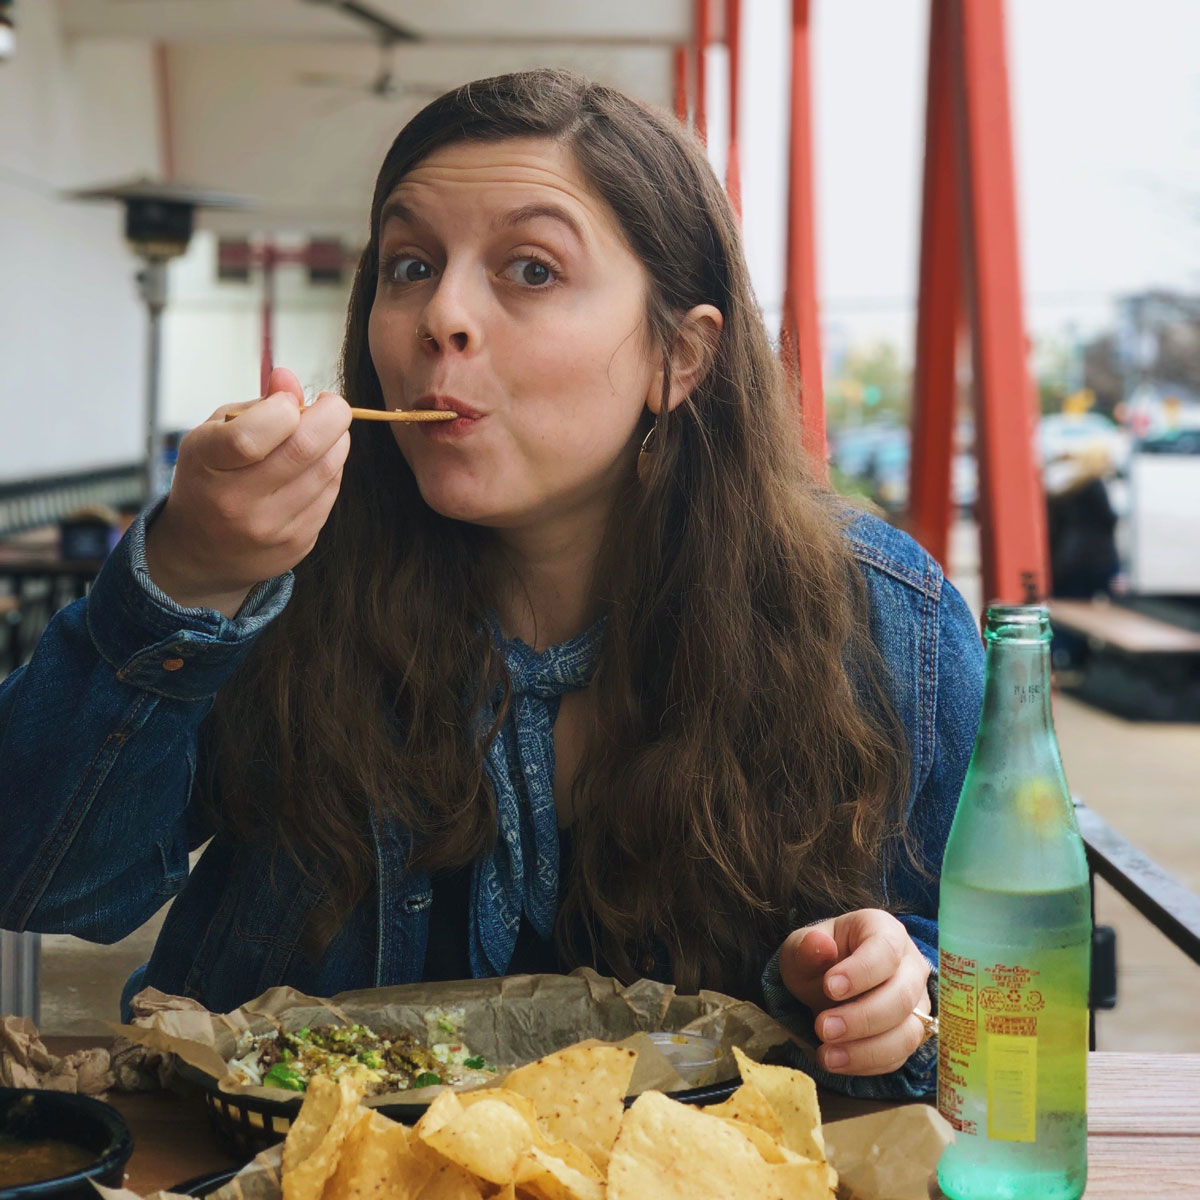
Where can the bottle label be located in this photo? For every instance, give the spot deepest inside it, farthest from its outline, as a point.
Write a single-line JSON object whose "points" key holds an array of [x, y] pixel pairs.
{"points": [[989, 1018], [1011, 1087]]}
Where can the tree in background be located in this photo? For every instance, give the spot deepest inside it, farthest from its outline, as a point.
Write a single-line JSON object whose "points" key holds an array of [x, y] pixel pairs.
{"points": [[872, 384]]}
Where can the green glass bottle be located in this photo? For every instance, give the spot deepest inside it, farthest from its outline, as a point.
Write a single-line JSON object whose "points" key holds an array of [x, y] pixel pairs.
{"points": [[1015, 943]]}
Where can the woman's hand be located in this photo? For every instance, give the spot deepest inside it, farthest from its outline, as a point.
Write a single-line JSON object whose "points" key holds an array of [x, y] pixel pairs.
{"points": [[862, 976], [250, 496]]}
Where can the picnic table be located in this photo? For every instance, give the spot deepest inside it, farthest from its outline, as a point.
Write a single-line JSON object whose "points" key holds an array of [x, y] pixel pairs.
{"points": [[1143, 1127]]}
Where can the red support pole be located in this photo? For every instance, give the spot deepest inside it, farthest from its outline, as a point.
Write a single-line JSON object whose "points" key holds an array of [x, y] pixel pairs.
{"points": [[1014, 547], [703, 38], [800, 337], [268, 313], [733, 44], [680, 80], [940, 302]]}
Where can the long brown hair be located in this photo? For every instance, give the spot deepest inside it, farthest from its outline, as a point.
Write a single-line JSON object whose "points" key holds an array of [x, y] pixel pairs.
{"points": [[739, 776]]}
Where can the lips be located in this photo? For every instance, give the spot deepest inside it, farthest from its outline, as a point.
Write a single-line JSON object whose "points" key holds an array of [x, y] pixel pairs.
{"points": [[448, 404]]}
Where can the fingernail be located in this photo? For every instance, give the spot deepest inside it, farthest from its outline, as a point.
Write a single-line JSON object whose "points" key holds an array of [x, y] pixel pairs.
{"points": [[836, 1059], [839, 985], [833, 1027]]}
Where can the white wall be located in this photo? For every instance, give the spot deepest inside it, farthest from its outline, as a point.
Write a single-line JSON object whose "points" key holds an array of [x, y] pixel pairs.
{"points": [[71, 325], [212, 338]]}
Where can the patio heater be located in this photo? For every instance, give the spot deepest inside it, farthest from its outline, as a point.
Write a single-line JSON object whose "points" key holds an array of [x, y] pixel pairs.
{"points": [[158, 227]]}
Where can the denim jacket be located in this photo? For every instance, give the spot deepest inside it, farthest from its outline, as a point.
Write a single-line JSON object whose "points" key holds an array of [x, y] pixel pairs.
{"points": [[98, 738]]}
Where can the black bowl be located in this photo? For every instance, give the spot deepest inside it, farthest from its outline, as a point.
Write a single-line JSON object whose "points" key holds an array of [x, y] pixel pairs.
{"points": [[79, 1120], [201, 1185]]}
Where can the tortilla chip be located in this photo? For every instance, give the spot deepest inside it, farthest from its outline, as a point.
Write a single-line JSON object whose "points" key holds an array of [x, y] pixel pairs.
{"points": [[749, 1106], [450, 1182], [314, 1142], [668, 1151], [569, 1153], [803, 1179], [579, 1094], [489, 1138], [546, 1176], [792, 1096], [445, 1107], [771, 1150], [377, 1163]]}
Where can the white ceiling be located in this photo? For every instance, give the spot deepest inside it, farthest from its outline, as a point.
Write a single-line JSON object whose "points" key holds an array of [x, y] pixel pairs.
{"points": [[246, 118], [613, 22]]}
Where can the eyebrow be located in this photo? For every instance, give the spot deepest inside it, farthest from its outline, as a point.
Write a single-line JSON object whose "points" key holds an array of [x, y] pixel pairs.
{"points": [[532, 212], [397, 210]]}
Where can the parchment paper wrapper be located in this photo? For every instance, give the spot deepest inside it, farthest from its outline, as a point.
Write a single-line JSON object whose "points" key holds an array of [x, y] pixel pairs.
{"points": [[889, 1155], [26, 1063], [509, 1021]]}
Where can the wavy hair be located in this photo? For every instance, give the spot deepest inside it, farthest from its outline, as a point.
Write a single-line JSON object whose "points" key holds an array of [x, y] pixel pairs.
{"points": [[743, 771]]}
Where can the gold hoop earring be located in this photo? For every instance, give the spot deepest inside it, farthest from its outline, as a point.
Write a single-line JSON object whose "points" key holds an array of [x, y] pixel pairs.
{"points": [[645, 458]]}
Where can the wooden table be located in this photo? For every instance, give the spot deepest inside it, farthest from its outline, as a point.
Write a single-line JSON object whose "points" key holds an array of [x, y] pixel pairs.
{"points": [[1143, 1128]]}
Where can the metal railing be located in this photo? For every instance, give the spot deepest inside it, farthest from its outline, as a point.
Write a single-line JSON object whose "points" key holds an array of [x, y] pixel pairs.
{"points": [[28, 503], [1174, 910], [1171, 908]]}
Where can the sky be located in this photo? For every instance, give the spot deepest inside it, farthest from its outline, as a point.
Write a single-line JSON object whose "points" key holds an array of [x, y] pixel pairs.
{"points": [[1106, 104]]}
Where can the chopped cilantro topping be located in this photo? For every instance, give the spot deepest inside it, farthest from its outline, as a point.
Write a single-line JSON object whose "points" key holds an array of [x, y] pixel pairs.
{"points": [[476, 1063], [426, 1079]]}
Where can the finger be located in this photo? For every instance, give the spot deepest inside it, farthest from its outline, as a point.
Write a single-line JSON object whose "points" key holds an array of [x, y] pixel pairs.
{"points": [[283, 380], [871, 962], [876, 1055], [322, 477], [260, 428], [880, 1009], [322, 425], [805, 957], [309, 521]]}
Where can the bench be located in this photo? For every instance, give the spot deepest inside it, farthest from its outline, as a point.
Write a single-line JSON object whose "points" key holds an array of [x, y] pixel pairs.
{"points": [[1122, 628]]}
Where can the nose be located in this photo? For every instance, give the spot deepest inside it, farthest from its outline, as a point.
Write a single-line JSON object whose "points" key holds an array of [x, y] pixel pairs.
{"points": [[449, 323]]}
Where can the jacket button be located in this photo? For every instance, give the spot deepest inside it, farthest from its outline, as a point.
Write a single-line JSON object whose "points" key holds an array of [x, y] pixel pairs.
{"points": [[172, 664]]}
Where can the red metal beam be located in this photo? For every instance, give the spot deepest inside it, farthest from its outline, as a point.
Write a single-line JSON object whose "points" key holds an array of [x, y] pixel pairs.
{"points": [[680, 81], [703, 38], [733, 44], [1013, 533], [268, 259], [939, 304], [800, 337]]}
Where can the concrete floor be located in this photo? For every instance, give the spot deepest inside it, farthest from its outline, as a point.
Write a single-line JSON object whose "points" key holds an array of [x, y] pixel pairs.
{"points": [[1144, 779]]}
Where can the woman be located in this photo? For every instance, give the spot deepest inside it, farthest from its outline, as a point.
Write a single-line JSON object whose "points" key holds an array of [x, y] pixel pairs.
{"points": [[593, 673]]}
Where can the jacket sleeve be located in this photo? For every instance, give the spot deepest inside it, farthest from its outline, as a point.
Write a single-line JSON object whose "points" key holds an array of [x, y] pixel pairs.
{"points": [[958, 684], [98, 740]]}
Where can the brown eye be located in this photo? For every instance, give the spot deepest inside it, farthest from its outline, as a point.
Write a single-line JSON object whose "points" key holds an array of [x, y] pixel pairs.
{"points": [[531, 272], [408, 269]]}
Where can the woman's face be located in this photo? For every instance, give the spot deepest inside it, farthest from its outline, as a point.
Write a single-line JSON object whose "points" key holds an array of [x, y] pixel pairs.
{"points": [[507, 293]]}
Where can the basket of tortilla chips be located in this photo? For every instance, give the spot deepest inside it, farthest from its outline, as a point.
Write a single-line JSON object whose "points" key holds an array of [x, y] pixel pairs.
{"points": [[557, 1129]]}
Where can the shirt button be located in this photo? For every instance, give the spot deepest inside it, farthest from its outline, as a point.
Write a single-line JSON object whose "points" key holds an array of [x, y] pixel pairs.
{"points": [[172, 664]]}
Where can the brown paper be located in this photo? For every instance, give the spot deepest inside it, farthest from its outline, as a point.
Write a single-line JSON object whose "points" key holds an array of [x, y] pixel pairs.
{"points": [[25, 1062], [888, 1155], [510, 1021]]}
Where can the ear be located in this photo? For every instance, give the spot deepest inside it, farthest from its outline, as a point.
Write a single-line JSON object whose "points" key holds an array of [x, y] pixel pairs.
{"points": [[692, 355]]}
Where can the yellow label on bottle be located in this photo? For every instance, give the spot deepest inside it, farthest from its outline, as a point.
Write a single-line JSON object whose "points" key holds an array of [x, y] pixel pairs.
{"points": [[1012, 1087]]}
